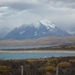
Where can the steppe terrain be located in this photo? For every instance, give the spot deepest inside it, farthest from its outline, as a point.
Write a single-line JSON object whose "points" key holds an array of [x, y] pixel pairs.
{"points": [[40, 41]]}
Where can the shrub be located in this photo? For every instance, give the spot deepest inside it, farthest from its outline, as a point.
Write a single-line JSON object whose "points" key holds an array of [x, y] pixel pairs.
{"points": [[47, 73], [64, 64], [4, 70], [51, 69]]}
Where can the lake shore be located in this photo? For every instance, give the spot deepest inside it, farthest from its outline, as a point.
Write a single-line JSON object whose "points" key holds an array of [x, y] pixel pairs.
{"points": [[36, 51]]}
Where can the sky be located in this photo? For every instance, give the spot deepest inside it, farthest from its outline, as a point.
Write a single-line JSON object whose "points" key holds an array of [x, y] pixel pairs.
{"points": [[14, 13]]}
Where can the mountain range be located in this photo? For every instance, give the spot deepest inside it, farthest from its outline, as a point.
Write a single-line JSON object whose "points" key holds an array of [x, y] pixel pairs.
{"points": [[39, 29]]}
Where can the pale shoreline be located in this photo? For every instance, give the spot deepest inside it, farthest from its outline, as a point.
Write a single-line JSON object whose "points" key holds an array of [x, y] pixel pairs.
{"points": [[37, 51]]}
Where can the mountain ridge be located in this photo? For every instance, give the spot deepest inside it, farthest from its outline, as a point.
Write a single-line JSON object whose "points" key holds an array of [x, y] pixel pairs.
{"points": [[43, 28]]}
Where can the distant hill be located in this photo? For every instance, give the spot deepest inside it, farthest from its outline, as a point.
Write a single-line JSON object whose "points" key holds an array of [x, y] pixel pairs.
{"points": [[40, 42], [4, 31]]}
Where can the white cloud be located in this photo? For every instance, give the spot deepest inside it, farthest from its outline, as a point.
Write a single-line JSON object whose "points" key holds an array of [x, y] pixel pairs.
{"points": [[17, 12]]}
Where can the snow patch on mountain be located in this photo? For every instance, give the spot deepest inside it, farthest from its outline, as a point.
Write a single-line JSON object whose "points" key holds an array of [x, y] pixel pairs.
{"points": [[44, 22], [35, 33], [43, 32], [47, 23], [36, 24], [22, 32]]}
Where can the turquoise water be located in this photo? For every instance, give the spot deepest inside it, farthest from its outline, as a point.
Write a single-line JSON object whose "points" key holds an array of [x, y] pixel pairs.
{"points": [[11, 56]]}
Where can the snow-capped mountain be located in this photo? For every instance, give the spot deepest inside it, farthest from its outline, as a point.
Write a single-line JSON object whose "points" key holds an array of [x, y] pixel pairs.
{"points": [[38, 29]]}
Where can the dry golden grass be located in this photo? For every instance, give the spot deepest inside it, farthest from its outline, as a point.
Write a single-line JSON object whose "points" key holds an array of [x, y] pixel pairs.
{"points": [[40, 41]]}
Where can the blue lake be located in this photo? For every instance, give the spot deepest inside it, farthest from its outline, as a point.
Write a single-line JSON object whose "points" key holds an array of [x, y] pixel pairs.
{"points": [[11, 56]]}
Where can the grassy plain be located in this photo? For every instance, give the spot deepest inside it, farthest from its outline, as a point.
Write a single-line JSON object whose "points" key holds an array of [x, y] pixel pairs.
{"points": [[39, 41]]}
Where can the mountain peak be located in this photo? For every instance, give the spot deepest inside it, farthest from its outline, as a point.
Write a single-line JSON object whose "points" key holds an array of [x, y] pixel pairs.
{"points": [[36, 24], [47, 23], [44, 22]]}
